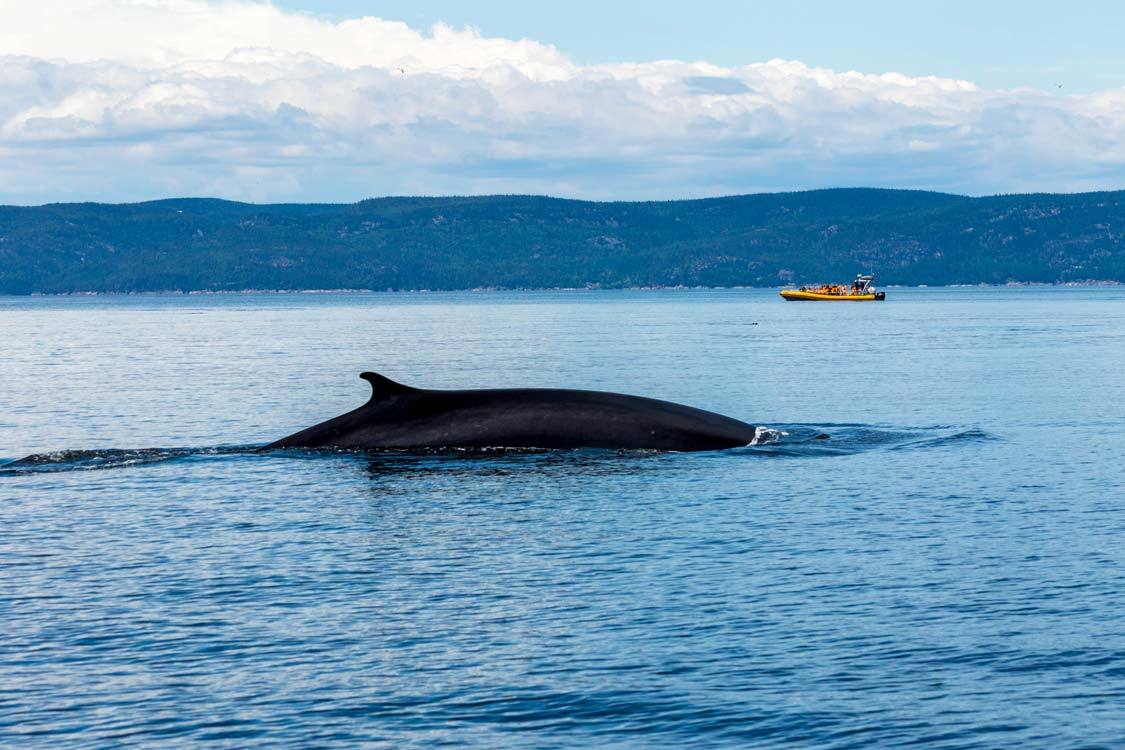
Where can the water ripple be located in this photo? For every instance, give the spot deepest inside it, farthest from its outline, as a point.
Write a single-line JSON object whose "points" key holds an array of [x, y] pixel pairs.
{"points": [[785, 440]]}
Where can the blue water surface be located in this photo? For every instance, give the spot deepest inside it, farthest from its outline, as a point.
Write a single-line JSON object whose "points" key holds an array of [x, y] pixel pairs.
{"points": [[945, 570]]}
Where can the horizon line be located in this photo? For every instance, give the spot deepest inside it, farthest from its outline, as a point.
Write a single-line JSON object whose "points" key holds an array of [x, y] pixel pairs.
{"points": [[544, 196]]}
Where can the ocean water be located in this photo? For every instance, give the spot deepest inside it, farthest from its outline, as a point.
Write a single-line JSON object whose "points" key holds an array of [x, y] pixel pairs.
{"points": [[945, 570]]}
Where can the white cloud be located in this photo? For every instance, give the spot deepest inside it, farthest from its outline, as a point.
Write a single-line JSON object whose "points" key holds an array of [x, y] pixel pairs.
{"points": [[130, 99]]}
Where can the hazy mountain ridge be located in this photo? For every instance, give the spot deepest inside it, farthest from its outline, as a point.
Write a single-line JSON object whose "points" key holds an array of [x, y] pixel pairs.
{"points": [[905, 237]]}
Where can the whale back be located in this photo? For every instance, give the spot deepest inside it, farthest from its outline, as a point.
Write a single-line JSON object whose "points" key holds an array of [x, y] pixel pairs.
{"points": [[398, 416]]}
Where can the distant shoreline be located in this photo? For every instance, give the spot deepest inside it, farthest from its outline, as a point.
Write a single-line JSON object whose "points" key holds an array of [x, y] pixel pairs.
{"points": [[1093, 283], [523, 243]]}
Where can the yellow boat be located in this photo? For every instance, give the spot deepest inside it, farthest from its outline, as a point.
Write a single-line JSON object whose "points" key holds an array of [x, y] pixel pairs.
{"points": [[861, 290]]}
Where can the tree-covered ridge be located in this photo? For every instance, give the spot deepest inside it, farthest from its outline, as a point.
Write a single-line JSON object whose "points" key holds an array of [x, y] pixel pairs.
{"points": [[905, 237]]}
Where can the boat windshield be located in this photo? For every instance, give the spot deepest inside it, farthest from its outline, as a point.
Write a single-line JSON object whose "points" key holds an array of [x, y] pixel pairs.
{"points": [[863, 284]]}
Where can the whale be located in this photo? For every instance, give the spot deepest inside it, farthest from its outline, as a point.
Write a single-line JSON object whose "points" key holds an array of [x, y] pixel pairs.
{"points": [[399, 417]]}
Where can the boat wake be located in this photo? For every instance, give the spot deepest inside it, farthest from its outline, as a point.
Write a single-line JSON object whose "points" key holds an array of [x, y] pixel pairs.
{"points": [[791, 440]]}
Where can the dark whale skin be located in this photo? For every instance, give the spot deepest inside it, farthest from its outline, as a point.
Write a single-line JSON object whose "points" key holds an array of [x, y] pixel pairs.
{"points": [[401, 417]]}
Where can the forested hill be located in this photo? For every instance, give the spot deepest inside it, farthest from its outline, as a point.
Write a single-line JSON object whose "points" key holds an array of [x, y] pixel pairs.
{"points": [[905, 237]]}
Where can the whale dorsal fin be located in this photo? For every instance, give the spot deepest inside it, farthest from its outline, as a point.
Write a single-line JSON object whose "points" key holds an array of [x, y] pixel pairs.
{"points": [[383, 387]]}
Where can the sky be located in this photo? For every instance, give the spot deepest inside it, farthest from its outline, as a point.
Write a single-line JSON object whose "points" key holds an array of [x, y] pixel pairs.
{"points": [[995, 44], [123, 100]]}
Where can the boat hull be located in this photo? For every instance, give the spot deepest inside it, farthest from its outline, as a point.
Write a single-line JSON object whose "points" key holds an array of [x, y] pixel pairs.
{"points": [[795, 295]]}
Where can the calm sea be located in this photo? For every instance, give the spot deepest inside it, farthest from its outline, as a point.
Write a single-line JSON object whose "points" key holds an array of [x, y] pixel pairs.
{"points": [[947, 569]]}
